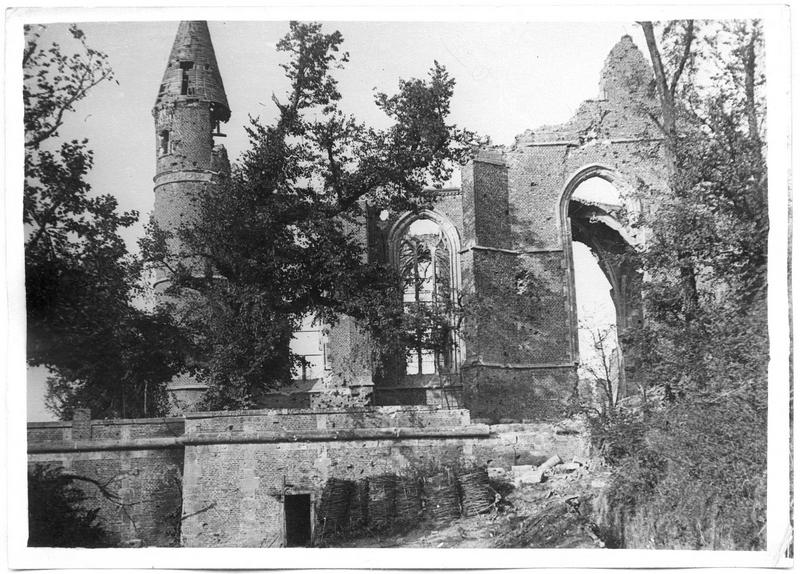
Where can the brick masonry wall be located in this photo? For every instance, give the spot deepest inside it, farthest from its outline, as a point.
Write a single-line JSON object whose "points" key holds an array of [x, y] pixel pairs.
{"points": [[190, 140], [147, 480], [448, 203], [522, 332], [49, 432], [148, 483], [486, 202], [519, 394]]}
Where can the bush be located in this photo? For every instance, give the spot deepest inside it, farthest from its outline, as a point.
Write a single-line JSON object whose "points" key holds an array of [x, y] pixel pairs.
{"points": [[692, 475], [56, 515]]}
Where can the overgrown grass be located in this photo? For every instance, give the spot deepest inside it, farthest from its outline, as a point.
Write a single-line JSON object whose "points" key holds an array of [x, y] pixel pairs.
{"points": [[691, 475]]}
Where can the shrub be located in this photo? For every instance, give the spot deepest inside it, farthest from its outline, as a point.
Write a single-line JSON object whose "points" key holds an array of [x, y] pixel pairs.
{"points": [[56, 515]]}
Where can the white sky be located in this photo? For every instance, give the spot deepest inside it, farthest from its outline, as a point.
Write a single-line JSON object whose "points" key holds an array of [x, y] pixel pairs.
{"points": [[509, 77]]}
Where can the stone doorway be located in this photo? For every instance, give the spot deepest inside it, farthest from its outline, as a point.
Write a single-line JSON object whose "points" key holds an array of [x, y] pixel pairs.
{"points": [[297, 515]]}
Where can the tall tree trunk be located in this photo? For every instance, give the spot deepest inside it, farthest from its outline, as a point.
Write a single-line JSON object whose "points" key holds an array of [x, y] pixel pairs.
{"points": [[749, 64], [666, 87]]}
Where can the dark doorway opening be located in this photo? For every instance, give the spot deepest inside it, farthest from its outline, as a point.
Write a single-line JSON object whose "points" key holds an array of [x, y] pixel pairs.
{"points": [[297, 508]]}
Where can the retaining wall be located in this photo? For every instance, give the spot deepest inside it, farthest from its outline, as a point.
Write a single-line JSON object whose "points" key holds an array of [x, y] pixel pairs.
{"points": [[231, 471]]}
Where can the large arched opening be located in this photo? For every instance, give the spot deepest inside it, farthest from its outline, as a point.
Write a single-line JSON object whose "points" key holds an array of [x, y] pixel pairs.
{"points": [[605, 287], [424, 247]]}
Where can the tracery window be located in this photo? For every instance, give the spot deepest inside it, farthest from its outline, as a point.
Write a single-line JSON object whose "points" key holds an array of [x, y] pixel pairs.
{"points": [[425, 259]]}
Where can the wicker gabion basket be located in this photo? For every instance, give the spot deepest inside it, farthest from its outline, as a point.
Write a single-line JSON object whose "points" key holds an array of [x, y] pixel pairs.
{"points": [[334, 507], [477, 496], [382, 496], [359, 505], [441, 498], [408, 500]]}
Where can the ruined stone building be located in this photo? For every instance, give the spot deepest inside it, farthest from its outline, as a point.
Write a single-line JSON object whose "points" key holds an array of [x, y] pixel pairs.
{"points": [[504, 237]]}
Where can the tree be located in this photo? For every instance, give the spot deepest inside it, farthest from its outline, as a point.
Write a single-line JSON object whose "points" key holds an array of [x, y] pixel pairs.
{"points": [[603, 369], [103, 352], [704, 339], [707, 253], [280, 236]]}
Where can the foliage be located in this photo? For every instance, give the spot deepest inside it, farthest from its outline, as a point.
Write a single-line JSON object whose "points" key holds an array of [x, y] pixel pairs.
{"points": [[281, 235], [57, 516], [603, 368], [690, 469], [103, 352]]}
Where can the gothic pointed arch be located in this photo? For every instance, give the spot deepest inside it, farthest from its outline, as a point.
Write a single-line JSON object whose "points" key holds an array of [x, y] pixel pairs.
{"points": [[424, 248], [597, 223]]}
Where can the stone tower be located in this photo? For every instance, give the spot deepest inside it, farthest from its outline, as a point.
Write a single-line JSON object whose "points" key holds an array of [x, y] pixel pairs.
{"points": [[190, 107]]}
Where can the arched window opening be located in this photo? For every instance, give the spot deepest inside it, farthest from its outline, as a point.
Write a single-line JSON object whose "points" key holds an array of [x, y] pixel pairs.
{"points": [[426, 252], [599, 192], [605, 286]]}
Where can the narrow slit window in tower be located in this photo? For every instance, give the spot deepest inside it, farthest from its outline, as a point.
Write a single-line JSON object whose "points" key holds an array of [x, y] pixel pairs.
{"points": [[185, 67], [163, 147]]}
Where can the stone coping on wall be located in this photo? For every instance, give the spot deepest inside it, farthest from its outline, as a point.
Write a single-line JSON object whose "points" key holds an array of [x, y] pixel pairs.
{"points": [[94, 422], [390, 409], [104, 429], [398, 433], [49, 424], [326, 419]]}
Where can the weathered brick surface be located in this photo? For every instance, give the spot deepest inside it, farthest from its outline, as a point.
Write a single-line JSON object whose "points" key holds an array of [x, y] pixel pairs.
{"points": [[49, 432], [486, 202], [81, 425], [448, 203], [147, 482], [543, 394]]}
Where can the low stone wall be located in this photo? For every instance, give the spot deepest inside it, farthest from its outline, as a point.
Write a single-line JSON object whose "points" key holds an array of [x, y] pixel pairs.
{"points": [[234, 493], [139, 461], [224, 481], [237, 480]]}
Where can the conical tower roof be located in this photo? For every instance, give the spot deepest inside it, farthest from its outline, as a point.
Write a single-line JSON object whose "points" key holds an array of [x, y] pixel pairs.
{"points": [[192, 72]]}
